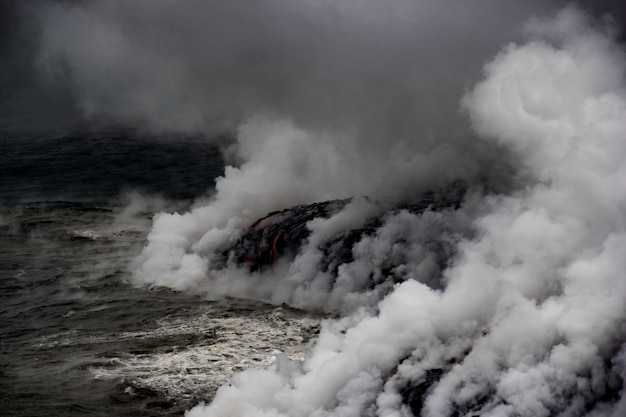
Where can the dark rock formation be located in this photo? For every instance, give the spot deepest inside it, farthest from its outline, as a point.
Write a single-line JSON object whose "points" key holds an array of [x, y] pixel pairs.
{"points": [[281, 233], [414, 393]]}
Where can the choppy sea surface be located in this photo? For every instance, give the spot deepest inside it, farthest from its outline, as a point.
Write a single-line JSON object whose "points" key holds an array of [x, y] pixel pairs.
{"points": [[76, 338]]}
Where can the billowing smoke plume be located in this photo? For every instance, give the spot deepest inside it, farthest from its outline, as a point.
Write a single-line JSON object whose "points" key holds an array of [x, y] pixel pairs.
{"points": [[531, 319], [327, 99], [527, 318]]}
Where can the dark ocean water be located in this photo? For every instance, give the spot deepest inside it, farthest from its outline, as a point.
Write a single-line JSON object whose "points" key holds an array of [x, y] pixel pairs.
{"points": [[95, 167], [76, 338]]}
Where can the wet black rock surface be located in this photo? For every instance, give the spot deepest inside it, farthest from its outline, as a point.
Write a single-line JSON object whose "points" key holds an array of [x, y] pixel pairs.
{"points": [[282, 233]]}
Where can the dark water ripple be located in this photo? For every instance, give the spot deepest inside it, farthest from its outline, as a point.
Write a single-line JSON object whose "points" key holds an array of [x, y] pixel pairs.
{"points": [[97, 166], [59, 298], [64, 255], [76, 338]]}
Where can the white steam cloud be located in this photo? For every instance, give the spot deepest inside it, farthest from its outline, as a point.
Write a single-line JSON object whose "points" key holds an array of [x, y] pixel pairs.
{"points": [[527, 319], [531, 319]]}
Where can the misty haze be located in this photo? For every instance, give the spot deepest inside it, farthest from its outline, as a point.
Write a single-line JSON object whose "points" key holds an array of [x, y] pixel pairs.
{"points": [[348, 208]]}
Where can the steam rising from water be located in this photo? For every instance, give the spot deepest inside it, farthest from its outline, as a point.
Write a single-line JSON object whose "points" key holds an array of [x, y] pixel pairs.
{"points": [[531, 319], [528, 318]]}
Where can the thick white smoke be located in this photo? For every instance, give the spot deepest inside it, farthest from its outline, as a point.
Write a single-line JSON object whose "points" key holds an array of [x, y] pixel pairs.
{"points": [[328, 100], [287, 166], [528, 317], [531, 319]]}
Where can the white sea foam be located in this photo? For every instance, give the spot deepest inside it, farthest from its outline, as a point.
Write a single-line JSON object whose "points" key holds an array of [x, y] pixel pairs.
{"points": [[188, 355]]}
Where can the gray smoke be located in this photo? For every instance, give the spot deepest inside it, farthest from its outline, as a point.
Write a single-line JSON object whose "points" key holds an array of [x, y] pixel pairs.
{"points": [[353, 98], [531, 320], [394, 69]]}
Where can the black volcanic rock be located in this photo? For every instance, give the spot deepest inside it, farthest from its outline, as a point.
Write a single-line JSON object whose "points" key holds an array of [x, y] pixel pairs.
{"points": [[414, 393], [281, 233]]}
